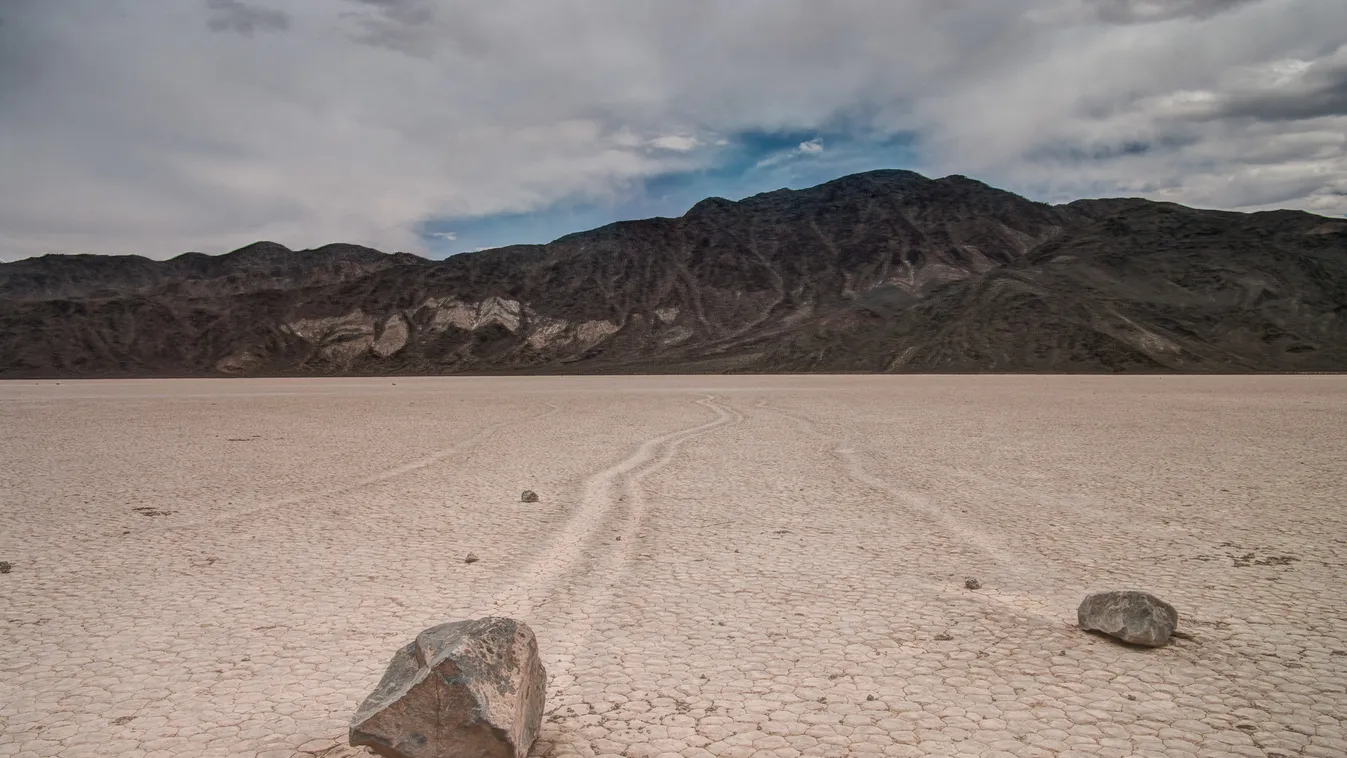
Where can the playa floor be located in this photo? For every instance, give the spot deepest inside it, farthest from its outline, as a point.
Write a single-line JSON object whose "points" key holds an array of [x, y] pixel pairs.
{"points": [[717, 566]]}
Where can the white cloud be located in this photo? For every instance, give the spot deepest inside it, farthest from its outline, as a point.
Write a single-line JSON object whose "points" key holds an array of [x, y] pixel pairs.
{"points": [[809, 147], [446, 236], [131, 126], [676, 143]]}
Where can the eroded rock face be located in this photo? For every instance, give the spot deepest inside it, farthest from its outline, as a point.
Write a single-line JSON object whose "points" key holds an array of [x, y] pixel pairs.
{"points": [[450, 311], [468, 688], [393, 338], [1136, 617], [354, 324]]}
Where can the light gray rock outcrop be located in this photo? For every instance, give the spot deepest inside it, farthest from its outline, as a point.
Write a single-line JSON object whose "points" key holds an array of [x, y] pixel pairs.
{"points": [[468, 688], [1136, 617]]}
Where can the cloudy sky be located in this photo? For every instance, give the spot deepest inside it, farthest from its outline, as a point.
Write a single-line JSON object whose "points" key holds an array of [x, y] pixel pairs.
{"points": [[438, 126]]}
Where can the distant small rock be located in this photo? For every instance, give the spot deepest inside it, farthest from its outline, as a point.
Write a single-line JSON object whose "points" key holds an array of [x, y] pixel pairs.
{"points": [[529, 496], [1139, 618], [472, 558], [942, 637], [152, 512], [972, 584], [6, 567]]}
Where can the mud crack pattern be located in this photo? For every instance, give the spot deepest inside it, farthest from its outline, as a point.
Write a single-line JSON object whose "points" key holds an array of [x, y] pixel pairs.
{"points": [[717, 566]]}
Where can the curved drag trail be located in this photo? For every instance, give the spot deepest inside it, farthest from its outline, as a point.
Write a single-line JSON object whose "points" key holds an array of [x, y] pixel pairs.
{"points": [[1023, 567], [437, 456], [226, 517], [955, 527], [849, 455], [585, 560]]}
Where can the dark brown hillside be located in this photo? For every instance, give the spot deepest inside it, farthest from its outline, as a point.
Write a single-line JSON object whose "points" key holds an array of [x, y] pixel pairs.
{"points": [[884, 271]]}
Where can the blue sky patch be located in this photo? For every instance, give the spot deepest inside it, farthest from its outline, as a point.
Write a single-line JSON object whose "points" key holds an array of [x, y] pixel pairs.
{"points": [[751, 162]]}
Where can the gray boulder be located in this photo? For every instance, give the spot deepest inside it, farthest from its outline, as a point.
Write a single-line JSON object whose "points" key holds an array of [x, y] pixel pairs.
{"points": [[469, 688], [1136, 617], [528, 496]]}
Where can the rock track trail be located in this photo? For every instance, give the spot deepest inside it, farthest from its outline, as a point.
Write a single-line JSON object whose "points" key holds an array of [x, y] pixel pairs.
{"points": [[437, 457], [609, 504], [584, 561], [222, 517], [1012, 567], [752, 567]]}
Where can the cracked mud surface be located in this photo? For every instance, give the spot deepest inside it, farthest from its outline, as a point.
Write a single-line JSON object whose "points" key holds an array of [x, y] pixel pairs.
{"points": [[717, 566]]}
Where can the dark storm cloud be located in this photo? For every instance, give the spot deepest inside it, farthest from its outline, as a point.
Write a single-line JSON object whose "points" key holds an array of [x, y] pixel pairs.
{"points": [[411, 12], [1147, 11], [241, 18], [402, 25], [1316, 91]]}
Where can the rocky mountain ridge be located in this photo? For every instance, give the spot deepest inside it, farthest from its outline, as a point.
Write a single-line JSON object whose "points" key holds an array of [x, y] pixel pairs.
{"points": [[882, 271], [259, 266]]}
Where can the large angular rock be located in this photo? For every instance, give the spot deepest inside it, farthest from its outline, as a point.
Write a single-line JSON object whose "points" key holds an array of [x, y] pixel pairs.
{"points": [[1136, 617], [469, 688]]}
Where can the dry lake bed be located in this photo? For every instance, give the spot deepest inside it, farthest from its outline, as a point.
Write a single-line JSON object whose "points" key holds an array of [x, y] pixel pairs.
{"points": [[717, 566]]}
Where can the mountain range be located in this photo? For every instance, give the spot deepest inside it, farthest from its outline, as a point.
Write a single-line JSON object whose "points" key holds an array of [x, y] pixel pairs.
{"points": [[885, 271]]}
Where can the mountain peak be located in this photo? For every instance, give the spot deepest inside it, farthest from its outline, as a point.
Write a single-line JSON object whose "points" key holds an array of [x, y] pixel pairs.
{"points": [[261, 250], [882, 271]]}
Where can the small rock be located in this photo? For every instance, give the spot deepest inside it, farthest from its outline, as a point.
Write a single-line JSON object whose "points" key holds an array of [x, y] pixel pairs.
{"points": [[6, 567], [869, 698], [942, 637], [466, 688], [1135, 617], [972, 584], [529, 496], [472, 558]]}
